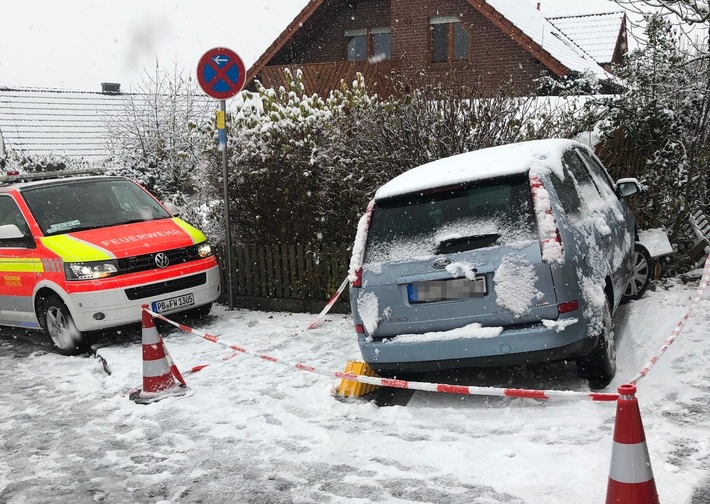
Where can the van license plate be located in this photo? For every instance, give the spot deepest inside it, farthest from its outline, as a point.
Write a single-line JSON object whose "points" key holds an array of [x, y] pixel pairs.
{"points": [[446, 290], [173, 303]]}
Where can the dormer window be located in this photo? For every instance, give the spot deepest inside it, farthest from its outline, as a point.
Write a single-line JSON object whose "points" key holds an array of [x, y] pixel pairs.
{"points": [[449, 39], [373, 44]]}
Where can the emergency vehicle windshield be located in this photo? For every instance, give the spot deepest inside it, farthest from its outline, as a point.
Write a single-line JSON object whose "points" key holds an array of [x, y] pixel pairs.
{"points": [[79, 205]]}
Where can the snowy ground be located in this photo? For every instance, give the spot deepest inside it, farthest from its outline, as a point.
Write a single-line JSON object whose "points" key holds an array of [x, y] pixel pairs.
{"points": [[252, 431]]}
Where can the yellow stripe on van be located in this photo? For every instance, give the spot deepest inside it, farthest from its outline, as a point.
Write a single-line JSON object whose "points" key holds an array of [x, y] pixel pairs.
{"points": [[20, 265], [196, 235], [74, 250]]}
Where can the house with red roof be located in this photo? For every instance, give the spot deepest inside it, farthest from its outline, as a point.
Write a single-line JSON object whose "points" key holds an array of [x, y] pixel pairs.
{"points": [[491, 45]]}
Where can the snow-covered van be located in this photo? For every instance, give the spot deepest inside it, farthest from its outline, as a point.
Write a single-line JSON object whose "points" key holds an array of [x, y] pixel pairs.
{"points": [[83, 253], [509, 255]]}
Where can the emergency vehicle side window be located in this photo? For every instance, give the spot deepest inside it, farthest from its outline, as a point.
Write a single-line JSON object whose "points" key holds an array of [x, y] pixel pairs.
{"points": [[10, 215]]}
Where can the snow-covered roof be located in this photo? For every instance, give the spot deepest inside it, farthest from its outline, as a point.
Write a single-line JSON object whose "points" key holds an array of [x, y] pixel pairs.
{"points": [[479, 165], [46, 122], [533, 24], [39, 122], [596, 34]]}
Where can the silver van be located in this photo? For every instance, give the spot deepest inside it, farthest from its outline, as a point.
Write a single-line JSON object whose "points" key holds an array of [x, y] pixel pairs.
{"points": [[508, 255]]}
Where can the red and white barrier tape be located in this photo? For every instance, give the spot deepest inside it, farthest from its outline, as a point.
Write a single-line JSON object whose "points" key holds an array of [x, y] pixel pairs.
{"points": [[403, 384], [200, 367], [679, 327], [312, 325], [329, 305]]}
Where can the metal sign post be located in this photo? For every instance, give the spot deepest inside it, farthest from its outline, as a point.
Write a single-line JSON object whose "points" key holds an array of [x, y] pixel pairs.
{"points": [[222, 146], [221, 74]]}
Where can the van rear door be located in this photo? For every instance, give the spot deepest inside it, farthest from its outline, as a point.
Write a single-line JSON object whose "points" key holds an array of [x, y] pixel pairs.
{"points": [[449, 257]]}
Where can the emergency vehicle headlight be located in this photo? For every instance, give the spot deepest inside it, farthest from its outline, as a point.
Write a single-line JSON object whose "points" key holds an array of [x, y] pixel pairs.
{"points": [[90, 270], [204, 250]]}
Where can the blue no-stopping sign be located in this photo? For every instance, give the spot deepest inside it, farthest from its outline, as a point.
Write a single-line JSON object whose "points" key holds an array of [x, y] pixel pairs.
{"points": [[221, 73]]}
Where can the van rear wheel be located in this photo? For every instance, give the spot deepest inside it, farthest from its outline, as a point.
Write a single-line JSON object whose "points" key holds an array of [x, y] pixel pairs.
{"points": [[59, 327], [599, 366]]}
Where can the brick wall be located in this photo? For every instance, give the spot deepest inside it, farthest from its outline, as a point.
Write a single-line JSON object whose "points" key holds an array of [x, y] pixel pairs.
{"points": [[496, 61], [322, 38]]}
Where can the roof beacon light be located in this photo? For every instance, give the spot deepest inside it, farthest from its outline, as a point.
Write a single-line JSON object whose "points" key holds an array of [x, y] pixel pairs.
{"points": [[16, 176]]}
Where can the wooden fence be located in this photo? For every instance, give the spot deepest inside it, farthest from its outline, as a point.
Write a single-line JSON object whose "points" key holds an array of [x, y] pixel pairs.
{"points": [[288, 277], [322, 78]]}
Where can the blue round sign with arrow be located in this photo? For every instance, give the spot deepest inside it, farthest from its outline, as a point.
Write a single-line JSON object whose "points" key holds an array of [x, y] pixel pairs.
{"points": [[221, 73]]}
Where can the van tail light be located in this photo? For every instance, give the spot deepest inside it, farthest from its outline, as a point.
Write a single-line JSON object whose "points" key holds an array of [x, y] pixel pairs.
{"points": [[358, 257], [358, 278], [359, 328], [549, 233], [568, 307]]}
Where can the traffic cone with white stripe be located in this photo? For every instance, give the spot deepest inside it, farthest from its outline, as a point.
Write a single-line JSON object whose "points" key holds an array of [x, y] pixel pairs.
{"points": [[630, 476], [161, 377]]}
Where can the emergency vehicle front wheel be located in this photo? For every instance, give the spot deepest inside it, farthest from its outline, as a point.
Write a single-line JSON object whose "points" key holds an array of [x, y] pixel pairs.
{"points": [[59, 326]]}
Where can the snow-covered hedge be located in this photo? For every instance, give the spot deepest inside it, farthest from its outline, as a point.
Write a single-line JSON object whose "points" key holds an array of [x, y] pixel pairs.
{"points": [[303, 168], [13, 160]]}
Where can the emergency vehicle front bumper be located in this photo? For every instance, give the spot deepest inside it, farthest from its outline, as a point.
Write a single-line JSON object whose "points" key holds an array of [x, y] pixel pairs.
{"points": [[112, 307]]}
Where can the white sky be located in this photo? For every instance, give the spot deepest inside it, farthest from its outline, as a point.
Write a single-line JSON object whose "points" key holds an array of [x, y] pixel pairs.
{"points": [[75, 44]]}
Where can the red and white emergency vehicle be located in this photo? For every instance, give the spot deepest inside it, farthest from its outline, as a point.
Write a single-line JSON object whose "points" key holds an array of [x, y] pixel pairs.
{"points": [[83, 253]]}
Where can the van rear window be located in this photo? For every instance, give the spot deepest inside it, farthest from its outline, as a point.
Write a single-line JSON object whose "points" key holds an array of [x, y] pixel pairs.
{"points": [[451, 220]]}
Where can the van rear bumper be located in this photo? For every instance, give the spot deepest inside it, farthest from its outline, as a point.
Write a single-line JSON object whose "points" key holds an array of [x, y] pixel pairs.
{"points": [[531, 344]]}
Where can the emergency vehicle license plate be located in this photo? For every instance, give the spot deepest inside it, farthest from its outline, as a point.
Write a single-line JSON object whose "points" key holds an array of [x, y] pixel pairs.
{"points": [[173, 303]]}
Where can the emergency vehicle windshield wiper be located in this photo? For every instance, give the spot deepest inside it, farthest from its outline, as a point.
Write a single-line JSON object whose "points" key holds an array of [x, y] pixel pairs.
{"points": [[131, 221], [71, 229]]}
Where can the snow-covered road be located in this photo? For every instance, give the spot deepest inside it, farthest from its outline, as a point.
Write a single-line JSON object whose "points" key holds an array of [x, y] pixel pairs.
{"points": [[251, 431]]}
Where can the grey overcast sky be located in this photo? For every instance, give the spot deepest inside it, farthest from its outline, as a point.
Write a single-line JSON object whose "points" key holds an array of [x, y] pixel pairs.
{"points": [[77, 44]]}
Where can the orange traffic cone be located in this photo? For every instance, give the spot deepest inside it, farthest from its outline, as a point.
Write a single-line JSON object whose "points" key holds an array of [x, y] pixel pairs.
{"points": [[630, 476], [161, 377]]}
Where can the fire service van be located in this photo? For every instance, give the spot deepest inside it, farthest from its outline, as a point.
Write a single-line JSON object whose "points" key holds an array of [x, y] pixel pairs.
{"points": [[82, 252]]}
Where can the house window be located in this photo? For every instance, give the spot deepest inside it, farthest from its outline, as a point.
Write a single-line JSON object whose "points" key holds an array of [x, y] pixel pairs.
{"points": [[357, 44], [369, 44], [449, 39]]}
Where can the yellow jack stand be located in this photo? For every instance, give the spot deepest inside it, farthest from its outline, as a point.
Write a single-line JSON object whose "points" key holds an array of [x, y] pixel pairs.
{"points": [[350, 388]]}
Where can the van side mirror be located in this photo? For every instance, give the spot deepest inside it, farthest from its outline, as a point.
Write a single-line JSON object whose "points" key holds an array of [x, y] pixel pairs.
{"points": [[172, 208], [10, 232], [12, 236], [627, 187]]}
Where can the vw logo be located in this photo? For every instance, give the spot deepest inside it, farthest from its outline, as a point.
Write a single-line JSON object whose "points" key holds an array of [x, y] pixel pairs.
{"points": [[162, 260], [441, 263]]}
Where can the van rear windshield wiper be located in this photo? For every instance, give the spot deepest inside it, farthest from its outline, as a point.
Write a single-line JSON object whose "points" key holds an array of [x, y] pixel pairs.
{"points": [[467, 243]]}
